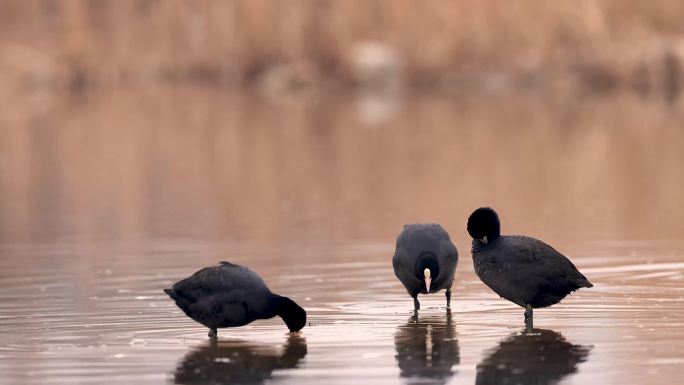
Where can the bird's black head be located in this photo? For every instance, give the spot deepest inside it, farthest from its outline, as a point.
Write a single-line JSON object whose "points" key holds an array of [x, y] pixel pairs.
{"points": [[293, 315], [427, 269], [484, 225]]}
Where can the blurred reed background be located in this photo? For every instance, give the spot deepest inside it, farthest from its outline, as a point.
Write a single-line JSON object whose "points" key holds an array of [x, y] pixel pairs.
{"points": [[339, 119], [601, 44]]}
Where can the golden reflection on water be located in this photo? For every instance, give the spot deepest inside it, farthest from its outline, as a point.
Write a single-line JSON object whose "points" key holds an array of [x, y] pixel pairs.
{"points": [[193, 162]]}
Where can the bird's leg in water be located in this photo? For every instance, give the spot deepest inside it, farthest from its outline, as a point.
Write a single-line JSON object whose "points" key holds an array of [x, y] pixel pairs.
{"points": [[528, 316], [448, 297], [416, 304], [213, 333]]}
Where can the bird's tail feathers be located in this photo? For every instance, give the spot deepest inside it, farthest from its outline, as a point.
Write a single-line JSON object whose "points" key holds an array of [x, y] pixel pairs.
{"points": [[584, 282], [171, 293]]}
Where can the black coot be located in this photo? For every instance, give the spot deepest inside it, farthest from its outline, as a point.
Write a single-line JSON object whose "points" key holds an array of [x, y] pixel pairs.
{"points": [[523, 270], [231, 295], [425, 260]]}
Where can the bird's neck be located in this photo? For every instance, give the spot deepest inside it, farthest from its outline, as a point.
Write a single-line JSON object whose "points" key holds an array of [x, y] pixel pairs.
{"points": [[275, 306], [479, 245]]}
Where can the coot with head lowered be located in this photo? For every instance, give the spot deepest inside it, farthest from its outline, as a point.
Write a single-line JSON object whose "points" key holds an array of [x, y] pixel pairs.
{"points": [[425, 260], [523, 270], [229, 295]]}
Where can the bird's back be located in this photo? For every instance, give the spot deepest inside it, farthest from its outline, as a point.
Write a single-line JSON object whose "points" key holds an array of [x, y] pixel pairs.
{"points": [[526, 270], [418, 239], [222, 295]]}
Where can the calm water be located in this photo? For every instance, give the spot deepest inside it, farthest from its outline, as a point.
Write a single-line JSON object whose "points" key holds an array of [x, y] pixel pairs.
{"points": [[109, 198]]}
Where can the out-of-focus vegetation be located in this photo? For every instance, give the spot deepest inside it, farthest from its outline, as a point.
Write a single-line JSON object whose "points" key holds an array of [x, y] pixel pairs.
{"points": [[305, 43]]}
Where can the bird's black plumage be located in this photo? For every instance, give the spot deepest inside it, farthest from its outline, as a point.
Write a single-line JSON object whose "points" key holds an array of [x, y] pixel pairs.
{"points": [[229, 295], [420, 247], [523, 270]]}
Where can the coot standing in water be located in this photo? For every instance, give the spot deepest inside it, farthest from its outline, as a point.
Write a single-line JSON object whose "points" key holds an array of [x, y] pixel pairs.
{"points": [[230, 295], [523, 270], [425, 260]]}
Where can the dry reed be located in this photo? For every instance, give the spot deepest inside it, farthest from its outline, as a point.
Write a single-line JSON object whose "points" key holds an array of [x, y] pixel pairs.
{"points": [[79, 43]]}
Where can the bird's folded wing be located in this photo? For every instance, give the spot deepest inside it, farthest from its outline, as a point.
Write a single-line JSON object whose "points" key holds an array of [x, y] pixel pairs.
{"points": [[540, 258]]}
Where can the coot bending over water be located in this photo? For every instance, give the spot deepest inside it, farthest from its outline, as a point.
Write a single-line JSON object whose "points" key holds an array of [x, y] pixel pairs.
{"points": [[523, 270], [425, 260], [231, 295]]}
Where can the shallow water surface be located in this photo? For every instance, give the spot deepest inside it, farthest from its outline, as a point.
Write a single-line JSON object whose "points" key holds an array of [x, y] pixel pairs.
{"points": [[110, 320], [108, 198]]}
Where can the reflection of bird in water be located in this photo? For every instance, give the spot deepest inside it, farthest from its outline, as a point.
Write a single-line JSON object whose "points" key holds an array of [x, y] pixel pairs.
{"points": [[537, 356], [427, 349], [227, 363]]}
